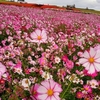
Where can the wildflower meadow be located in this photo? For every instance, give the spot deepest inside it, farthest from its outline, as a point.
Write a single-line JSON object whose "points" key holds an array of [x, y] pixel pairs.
{"points": [[48, 54]]}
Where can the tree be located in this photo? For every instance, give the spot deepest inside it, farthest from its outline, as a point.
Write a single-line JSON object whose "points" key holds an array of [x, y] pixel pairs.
{"points": [[2, 0]]}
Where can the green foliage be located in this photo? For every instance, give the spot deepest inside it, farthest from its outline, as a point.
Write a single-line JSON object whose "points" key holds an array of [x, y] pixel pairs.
{"points": [[3, 0], [60, 28]]}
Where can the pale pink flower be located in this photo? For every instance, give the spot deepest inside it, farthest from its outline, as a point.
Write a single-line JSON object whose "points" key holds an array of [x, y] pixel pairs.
{"points": [[80, 54], [2, 69], [18, 67], [49, 90], [97, 48], [57, 60], [93, 83], [78, 72], [61, 73], [91, 61], [55, 46], [39, 36]]}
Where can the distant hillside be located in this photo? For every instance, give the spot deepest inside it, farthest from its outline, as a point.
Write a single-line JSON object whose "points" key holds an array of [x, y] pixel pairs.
{"points": [[33, 5], [89, 11], [43, 6]]}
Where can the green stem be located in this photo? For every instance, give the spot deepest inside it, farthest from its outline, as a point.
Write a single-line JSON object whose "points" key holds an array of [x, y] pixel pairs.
{"points": [[66, 90]]}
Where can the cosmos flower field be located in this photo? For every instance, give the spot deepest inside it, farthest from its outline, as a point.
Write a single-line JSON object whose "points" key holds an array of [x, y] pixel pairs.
{"points": [[49, 54]]}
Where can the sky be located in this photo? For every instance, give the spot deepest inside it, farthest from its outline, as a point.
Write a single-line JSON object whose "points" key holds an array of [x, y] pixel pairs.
{"points": [[91, 4]]}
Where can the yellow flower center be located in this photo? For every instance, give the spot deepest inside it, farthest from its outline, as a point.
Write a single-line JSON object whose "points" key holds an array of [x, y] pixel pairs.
{"points": [[86, 88], [39, 37], [34, 92], [91, 59], [26, 81], [79, 95], [86, 98], [50, 92]]}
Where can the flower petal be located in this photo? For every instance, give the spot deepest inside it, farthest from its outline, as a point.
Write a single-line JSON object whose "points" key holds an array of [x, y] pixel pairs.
{"points": [[44, 34], [2, 68], [91, 69], [86, 65], [57, 88], [41, 89], [45, 84], [97, 55], [53, 98], [33, 35], [97, 60], [42, 97], [52, 84], [86, 55], [48, 98], [97, 66], [43, 41], [92, 52], [56, 95], [83, 60], [0, 74], [38, 32], [35, 40]]}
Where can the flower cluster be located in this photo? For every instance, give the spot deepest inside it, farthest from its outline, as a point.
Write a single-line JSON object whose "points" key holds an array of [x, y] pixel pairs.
{"points": [[49, 55]]}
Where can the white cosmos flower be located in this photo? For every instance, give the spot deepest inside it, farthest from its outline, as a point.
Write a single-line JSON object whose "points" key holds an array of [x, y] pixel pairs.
{"points": [[46, 75], [57, 60], [26, 82], [91, 60]]}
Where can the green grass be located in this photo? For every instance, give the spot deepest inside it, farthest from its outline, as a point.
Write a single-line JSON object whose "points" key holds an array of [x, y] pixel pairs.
{"points": [[89, 11]]}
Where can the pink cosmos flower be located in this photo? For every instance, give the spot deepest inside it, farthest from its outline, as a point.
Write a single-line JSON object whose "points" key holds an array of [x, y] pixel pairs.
{"points": [[18, 65], [68, 63], [87, 88], [2, 69], [85, 72], [34, 91], [79, 95], [39, 36], [64, 58], [42, 61], [55, 46], [91, 61], [93, 83], [49, 90], [89, 96]]}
